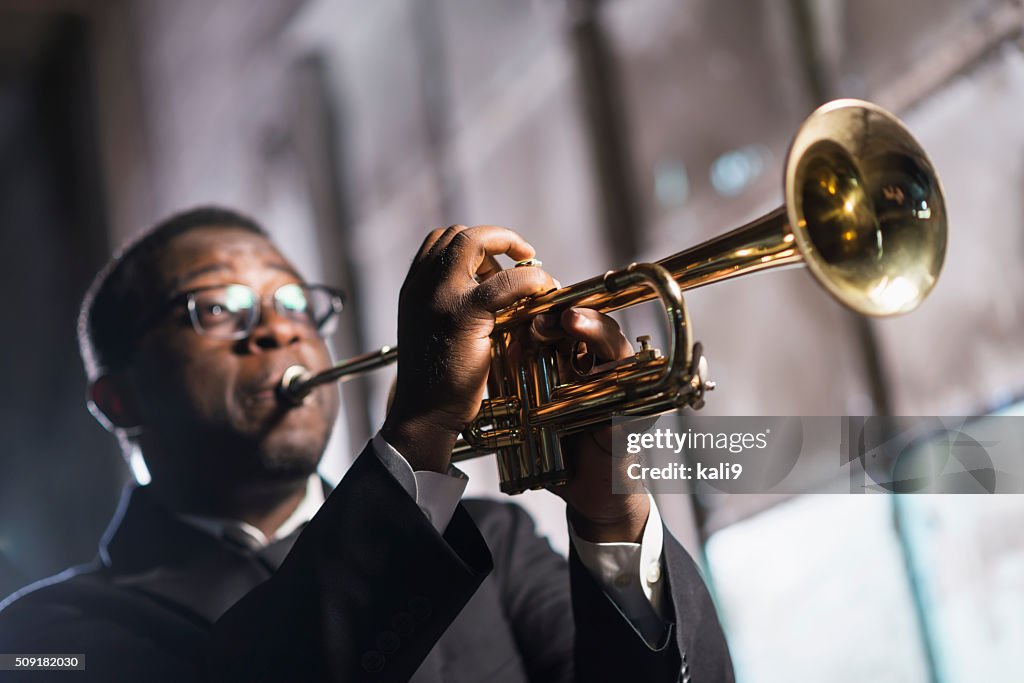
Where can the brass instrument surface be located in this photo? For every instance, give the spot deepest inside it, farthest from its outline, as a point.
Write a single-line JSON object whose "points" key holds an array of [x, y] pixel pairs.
{"points": [[863, 210]]}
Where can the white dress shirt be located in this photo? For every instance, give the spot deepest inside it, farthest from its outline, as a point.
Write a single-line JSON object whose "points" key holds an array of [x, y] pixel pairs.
{"points": [[631, 573]]}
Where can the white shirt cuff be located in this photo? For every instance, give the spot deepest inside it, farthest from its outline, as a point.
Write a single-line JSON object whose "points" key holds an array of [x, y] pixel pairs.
{"points": [[631, 575], [436, 494]]}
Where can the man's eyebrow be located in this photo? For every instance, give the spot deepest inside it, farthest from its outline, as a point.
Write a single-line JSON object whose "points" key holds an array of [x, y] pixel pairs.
{"points": [[192, 274]]}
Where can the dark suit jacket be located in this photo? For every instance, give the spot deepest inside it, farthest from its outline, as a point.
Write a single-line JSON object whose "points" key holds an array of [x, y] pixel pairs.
{"points": [[368, 591]]}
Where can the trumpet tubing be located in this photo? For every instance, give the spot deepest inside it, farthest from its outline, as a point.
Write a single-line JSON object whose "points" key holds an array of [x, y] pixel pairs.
{"points": [[863, 211]]}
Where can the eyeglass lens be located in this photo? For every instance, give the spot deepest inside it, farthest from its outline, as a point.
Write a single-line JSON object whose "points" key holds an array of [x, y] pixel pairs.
{"points": [[231, 311]]}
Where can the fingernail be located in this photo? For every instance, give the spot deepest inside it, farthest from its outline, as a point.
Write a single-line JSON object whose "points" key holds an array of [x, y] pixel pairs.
{"points": [[545, 323]]}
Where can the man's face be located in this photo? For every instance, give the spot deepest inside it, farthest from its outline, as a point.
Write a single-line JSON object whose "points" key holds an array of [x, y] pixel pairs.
{"points": [[208, 406]]}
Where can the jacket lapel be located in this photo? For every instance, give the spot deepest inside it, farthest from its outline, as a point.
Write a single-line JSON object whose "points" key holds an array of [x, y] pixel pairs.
{"points": [[149, 550]]}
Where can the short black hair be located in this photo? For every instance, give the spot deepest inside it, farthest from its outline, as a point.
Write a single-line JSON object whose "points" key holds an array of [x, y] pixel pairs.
{"points": [[116, 300]]}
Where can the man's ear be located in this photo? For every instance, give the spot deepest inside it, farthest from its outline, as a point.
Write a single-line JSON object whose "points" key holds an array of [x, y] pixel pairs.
{"points": [[112, 402]]}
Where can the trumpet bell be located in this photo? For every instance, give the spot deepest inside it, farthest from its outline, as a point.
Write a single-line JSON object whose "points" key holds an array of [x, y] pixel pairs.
{"points": [[865, 208], [863, 211]]}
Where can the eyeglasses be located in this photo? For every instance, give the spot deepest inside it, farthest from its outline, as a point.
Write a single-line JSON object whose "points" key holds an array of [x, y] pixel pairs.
{"points": [[232, 311]]}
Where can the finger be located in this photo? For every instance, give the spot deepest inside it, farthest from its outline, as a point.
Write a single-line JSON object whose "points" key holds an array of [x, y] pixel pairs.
{"points": [[428, 242], [469, 247], [547, 328], [446, 238], [601, 333], [514, 354], [508, 286], [487, 268]]}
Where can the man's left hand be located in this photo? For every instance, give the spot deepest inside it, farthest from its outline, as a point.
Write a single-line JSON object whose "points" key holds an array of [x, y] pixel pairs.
{"points": [[597, 514]]}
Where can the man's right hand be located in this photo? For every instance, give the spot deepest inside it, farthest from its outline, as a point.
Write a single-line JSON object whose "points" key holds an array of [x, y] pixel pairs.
{"points": [[446, 315]]}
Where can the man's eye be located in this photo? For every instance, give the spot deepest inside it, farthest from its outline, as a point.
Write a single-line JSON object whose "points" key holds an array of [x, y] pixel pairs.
{"points": [[292, 298], [213, 312]]}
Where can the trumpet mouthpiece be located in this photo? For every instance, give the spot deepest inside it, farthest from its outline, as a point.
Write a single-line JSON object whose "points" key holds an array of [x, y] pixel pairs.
{"points": [[293, 388]]}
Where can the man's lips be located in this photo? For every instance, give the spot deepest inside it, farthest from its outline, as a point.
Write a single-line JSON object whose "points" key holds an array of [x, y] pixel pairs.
{"points": [[267, 394], [265, 387]]}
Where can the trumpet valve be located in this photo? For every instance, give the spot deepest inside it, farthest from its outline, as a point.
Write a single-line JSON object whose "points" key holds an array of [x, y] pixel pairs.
{"points": [[699, 382], [646, 353], [702, 374]]}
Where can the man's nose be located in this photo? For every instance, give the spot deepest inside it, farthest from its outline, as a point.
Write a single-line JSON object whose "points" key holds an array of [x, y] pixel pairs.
{"points": [[274, 331]]}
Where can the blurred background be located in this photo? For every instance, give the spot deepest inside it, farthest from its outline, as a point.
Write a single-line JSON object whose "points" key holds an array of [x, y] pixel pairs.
{"points": [[605, 132]]}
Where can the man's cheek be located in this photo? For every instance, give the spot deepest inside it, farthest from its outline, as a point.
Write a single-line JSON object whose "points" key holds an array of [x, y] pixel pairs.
{"points": [[331, 404], [316, 357], [207, 388]]}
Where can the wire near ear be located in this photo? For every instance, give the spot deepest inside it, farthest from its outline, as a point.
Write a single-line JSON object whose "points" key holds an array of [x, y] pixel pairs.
{"points": [[107, 403]]}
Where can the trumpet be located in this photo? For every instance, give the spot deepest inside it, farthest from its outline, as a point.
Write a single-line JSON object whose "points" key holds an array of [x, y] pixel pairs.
{"points": [[863, 211]]}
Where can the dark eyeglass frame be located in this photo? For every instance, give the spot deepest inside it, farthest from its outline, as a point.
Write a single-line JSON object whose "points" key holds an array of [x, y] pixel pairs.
{"points": [[322, 327]]}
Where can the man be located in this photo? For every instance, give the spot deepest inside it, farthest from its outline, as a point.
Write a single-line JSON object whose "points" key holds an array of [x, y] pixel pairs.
{"points": [[211, 572]]}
